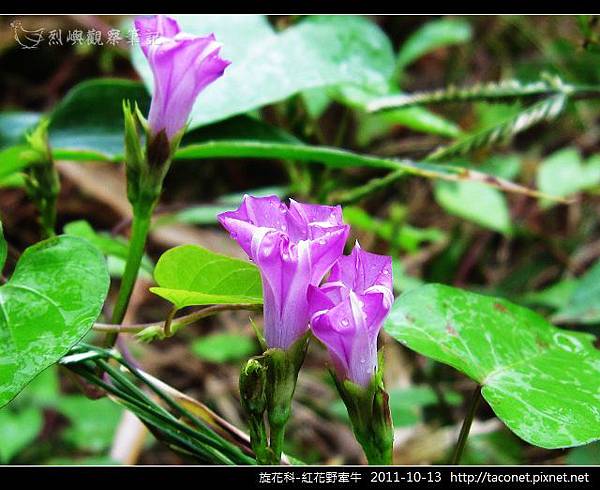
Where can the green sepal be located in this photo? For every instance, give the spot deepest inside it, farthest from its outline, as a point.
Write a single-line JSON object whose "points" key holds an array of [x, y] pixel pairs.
{"points": [[147, 165], [42, 182], [369, 412], [253, 381], [282, 375], [134, 152]]}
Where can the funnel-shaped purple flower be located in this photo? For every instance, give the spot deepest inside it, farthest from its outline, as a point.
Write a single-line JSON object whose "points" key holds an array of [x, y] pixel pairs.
{"points": [[293, 248], [182, 65], [348, 310]]}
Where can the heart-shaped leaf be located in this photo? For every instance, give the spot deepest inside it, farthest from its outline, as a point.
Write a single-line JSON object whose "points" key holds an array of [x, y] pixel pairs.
{"points": [[190, 275], [541, 381], [52, 299]]}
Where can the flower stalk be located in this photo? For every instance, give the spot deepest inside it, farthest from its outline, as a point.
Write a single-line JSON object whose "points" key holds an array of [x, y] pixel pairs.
{"points": [[282, 376], [182, 66], [369, 413]]}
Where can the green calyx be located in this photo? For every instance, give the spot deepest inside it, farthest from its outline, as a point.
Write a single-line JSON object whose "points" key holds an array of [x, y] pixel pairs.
{"points": [[253, 381], [41, 177], [146, 165], [267, 385], [369, 412]]}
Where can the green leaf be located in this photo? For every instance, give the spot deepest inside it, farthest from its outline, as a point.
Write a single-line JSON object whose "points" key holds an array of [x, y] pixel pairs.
{"points": [[93, 422], [564, 173], [475, 202], [190, 275], [542, 382], [268, 67], [583, 305], [18, 429], [88, 122], [52, 299], [431, 36], [224, 347], [115, 248]]}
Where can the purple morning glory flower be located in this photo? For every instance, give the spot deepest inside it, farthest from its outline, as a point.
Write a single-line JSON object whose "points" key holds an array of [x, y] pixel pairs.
{"points": [[182, 65], [348, 311], [293, 248]]}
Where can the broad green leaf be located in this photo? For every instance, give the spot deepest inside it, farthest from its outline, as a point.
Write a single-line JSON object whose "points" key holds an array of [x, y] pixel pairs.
{"points": [[52, 299], [190, 275], [115, 248], [92, 422], [14, 125], [564, 173], [475, 202], [583, 305], [542, 382], [88, 122], [431, 36], [224, 347], [268, 67], [18, 429]]}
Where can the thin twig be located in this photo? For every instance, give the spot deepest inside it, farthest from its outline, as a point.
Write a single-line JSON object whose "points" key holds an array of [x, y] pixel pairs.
{"points": [[177, 322]]}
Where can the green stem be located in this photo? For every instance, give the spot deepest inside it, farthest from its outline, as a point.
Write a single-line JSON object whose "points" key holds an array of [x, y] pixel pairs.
{"points": [[260, 444], [48, 217], [466, 427], [277, 438], [142, 215]]}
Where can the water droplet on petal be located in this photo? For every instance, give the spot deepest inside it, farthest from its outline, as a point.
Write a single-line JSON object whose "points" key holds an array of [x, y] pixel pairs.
{"points": [[385, 271], [283, 227], [344, 322], [322, 241]]}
